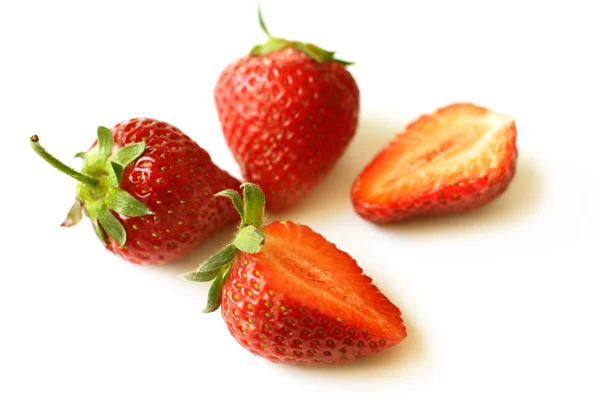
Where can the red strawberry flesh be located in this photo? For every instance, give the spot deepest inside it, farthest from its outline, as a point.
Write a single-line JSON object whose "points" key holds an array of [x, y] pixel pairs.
{"points": [[301, 300], [320, 274], [456, 159], [290, 296]]}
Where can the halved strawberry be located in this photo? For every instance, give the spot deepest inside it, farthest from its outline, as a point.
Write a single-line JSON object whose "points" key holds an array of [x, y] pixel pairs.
{"points": [[456, 159], [290, 296]]}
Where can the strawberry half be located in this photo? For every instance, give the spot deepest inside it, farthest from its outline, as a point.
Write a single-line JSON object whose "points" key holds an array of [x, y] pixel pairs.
{"points": [[456, 159], [147, 188], [290, 296]]}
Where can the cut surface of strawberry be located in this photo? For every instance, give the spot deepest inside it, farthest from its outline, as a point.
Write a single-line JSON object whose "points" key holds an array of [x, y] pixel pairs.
{"points": [[313, 271], [456, 159], [290, 296]]}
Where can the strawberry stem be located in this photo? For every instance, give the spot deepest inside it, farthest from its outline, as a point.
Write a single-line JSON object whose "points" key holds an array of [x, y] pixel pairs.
{"points": [[34, 141], [274, 44], [261, 21]]}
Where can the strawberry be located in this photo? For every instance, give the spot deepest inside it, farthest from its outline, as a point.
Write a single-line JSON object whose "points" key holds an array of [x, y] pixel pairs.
{"points": [[290, 296], [147, 188], [288, 111], [456, 159]]}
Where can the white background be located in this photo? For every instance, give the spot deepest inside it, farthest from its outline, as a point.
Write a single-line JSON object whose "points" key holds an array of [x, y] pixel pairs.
{"points": [[499, 303]]}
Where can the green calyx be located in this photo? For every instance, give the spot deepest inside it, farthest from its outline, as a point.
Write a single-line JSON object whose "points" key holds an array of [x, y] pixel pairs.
{"points": [[249, 239], [98, 189], [274, 44]]}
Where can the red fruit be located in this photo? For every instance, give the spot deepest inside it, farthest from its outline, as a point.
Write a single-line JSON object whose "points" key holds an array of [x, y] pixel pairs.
{"points": [[290, 296], [288, 111], [147, 188], [456, 159]]}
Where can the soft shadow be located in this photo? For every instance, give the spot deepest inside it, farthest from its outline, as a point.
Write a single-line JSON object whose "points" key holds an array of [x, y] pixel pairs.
{"points": [[333, 193], [520, 200], [192, 260]]}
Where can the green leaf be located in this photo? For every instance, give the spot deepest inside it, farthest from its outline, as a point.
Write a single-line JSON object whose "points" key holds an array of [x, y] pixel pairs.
{"points": [[315, 52], [218, 260], [118, 170], [81, 154], [249, 239], [254, 204], [235, 198], [75, 214], [201, 276], [128, 154], [100, 232], [125, 156], [111, 224], [105, 142], [272, 45], [210, 268], [214, 293], [343, 62], [125, 204]]}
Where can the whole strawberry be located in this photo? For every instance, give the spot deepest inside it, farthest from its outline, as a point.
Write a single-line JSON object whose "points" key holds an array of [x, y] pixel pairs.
{"points": [[147, 188], [456, 159], [290, 296], [288, 111]]}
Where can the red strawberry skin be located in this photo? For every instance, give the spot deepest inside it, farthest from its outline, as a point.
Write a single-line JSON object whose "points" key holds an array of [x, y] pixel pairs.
{"points": [[470, 180], [177, 180], [300, 300], [287, 119]]}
